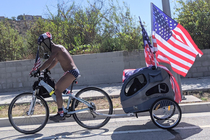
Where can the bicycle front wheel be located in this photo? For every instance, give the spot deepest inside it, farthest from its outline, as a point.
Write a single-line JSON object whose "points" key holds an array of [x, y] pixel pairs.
{"points": [[20, 118], [101, 102]]}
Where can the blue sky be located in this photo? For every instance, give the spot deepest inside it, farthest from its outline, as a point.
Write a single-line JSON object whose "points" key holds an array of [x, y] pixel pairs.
{"points": [[13, 8]]}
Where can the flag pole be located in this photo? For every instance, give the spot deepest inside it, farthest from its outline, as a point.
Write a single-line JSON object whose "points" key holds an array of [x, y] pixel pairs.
{"points": [[167, 11], [37, 52], [151, 7]]}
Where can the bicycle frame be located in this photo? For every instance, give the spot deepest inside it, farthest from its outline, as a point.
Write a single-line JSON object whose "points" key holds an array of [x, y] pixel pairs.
{"points": [[71, 97]]}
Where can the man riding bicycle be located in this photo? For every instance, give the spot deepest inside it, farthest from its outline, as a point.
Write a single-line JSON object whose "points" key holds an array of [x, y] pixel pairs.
{"points": [[61, 55]]}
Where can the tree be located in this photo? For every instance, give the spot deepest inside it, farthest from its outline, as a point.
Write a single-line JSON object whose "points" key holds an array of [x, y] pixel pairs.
{"points": [[95, 28], [194, 15], [11, 43], [14, 18], [98, 27], [20, 17]]}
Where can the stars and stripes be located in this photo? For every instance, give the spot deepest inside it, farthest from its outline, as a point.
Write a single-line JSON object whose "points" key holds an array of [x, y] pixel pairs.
{"points": [[127, 73], [148, 48], [37, 63], [174, 85], [175, 45]]}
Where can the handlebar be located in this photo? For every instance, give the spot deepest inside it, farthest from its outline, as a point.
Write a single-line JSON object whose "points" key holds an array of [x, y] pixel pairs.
{"points": [[38, 73], [47, 71]]}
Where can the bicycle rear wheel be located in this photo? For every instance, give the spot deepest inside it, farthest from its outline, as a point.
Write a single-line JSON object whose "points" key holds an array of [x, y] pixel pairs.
{"points": [[101, 102], [24, 122], [165, 113]]}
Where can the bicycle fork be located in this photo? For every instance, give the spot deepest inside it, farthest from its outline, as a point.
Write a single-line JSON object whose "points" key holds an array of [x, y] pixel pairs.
{"points": [[33, 101]]}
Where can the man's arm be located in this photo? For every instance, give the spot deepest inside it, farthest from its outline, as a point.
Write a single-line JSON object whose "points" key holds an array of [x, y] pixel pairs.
{"points": [[55, 61], [50, 61]]}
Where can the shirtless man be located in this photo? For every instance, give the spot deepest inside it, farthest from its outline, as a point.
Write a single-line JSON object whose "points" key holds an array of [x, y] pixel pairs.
{"points": [[61, 55]]}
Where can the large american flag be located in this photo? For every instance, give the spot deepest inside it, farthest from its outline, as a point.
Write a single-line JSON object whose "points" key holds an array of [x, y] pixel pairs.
{"points": [[37, 63], [175, 45], [148, 48]]}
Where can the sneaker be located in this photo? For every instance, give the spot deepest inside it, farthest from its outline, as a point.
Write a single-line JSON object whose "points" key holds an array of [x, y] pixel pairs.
{"points": [[57, 118]]}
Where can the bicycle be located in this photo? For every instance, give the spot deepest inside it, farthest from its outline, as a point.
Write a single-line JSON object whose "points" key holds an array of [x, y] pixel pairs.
{"points": [[34, 112], [87, 108]]}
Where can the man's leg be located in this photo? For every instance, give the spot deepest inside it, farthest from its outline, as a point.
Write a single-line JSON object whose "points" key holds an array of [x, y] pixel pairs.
{"points": [[63, 83]]}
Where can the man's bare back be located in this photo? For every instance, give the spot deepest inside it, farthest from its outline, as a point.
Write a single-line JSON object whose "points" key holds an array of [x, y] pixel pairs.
{"points": [[64, 58], [61, 55]]}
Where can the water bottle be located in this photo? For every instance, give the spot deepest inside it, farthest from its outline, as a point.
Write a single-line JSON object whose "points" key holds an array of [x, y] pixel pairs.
{"points": [[47, 87]]}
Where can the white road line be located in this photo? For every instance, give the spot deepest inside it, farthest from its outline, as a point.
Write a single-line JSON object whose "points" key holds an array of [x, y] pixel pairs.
{"points": [[126, 119]]}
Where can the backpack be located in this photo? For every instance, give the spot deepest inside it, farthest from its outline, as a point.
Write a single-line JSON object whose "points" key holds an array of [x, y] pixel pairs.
{"points": [[42, 91]]}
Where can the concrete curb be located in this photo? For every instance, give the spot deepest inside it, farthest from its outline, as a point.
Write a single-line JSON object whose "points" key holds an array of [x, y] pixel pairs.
{"points": [[195, 107], [186, 108]]}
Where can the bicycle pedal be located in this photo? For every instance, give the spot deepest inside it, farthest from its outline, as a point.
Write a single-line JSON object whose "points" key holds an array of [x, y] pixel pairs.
{"points": [[68, 115]]}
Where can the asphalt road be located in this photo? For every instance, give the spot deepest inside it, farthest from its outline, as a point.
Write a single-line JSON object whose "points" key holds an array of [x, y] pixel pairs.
{"points": [[193, 126]]}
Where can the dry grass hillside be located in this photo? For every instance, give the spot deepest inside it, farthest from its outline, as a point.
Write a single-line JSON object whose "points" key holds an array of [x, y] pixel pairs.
{"points": [[22, 26]]}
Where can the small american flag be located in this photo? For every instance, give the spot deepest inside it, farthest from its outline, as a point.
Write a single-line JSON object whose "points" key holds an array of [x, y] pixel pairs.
{"points": [[174, 43], [148, 48], [37, 63], [174, 85], [128, 72]]}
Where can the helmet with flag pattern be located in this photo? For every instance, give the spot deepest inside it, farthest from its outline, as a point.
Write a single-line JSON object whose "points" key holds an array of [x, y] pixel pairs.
{"points": [[44, 40]]}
